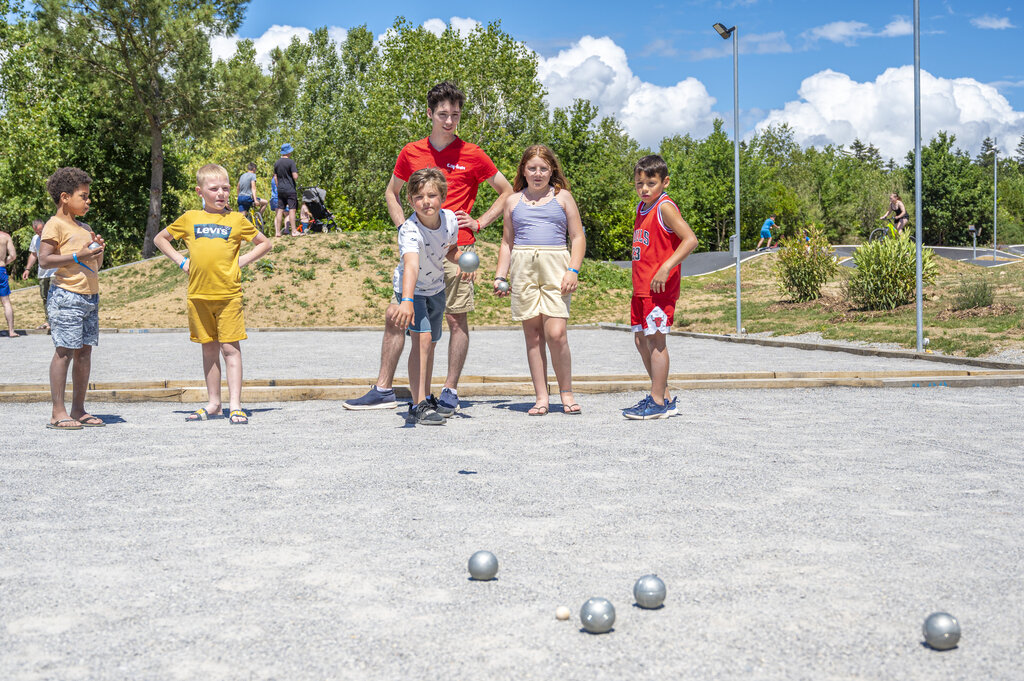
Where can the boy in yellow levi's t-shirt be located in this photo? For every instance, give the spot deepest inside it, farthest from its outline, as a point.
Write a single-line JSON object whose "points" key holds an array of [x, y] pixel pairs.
{"points": [[213, 237]]}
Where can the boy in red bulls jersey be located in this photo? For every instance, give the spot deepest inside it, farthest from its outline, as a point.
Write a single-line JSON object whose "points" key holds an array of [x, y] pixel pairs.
{"points": [[661, 240]]}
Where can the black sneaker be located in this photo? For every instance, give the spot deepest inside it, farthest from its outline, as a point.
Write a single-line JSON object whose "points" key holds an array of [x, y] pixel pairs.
{"points": [[424, 414]]}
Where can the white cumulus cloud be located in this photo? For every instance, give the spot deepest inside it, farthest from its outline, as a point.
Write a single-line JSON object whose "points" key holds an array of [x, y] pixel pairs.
{"points": [[462, 25], [598, 69], [834, 108], [223, 47], [991, 22]]}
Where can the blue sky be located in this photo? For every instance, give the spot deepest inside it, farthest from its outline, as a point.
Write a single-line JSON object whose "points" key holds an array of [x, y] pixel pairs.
{"points": [[821, 66]]}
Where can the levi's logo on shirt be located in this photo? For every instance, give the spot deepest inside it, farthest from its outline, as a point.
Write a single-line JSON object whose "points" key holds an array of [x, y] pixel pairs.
{"points": [[211, 231]]}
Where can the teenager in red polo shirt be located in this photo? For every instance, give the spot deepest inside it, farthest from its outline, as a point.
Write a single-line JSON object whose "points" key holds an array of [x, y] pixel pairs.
{"points": [[465, 167]]}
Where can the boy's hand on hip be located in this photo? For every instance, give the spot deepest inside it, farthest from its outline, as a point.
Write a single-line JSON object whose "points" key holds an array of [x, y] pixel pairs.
{"points": [[466, 221]]}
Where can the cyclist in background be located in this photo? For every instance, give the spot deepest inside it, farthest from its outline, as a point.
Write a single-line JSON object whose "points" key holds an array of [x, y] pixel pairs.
{"points": [[900, 218]]}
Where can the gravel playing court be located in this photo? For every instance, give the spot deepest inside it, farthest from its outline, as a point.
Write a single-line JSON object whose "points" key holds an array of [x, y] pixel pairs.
{"points": [[802, 534]]}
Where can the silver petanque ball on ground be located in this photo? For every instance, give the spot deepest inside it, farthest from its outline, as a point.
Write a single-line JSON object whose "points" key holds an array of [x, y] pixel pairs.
{"points": [[503, 286], [649, 592], [483, 565], [941, 631], [597, 615], [469, 261]]}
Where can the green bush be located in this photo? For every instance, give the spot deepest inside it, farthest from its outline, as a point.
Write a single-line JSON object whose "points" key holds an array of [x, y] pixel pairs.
{"points": [[971, 294], [804, 266], [886, 273]]}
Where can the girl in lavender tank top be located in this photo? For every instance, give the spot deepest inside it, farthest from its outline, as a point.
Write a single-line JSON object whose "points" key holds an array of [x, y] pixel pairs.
{"points": [[540, 219]]}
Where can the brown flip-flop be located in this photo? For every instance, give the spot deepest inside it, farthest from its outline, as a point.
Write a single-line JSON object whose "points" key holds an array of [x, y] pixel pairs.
{"points": [[90, 421], [537, 411], [57, 426]]}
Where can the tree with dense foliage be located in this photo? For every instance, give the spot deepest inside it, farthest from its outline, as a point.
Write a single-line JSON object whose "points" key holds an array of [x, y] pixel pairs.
{"points": [[152, 58]]}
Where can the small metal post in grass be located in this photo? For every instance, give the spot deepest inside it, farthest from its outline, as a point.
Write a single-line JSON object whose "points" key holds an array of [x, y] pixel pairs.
{"points": [[995, 198]]}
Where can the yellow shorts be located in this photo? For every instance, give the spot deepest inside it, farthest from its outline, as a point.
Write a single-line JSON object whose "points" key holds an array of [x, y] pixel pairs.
{"points": [[458, 294], [536, 273], [216, 320]]}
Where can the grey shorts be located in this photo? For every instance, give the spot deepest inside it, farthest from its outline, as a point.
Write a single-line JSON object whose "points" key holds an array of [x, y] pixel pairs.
{"points": [[428, 310], [74, 318]]}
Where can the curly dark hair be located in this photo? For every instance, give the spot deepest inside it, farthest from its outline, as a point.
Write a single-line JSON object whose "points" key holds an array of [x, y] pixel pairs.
{"points": [[66, 181], [446, 91]]}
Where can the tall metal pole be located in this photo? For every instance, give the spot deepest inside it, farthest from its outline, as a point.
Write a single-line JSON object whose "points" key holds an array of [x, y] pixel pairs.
{"points": [[736, 162], [917, 168], [995, 197]]}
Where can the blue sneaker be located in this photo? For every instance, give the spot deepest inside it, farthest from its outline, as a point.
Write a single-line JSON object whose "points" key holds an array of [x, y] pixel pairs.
{"points": [[647, 410], [375, 399], [673, 410], [448, 403]]}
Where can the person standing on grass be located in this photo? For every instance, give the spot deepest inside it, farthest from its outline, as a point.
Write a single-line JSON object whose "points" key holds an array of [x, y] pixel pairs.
{"points": [[42, 274], [7, 255], [465, 167], [287, 176], [247, 194], [538, 220], [766, 233]]}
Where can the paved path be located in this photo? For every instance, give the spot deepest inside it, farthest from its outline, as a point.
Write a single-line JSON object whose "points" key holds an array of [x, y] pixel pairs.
{"points": [[698, 264], [706, 262], [341, 354]]}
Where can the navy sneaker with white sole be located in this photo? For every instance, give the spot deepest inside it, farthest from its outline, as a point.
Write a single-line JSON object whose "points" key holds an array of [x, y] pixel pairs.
{"points": [[374, 399]]}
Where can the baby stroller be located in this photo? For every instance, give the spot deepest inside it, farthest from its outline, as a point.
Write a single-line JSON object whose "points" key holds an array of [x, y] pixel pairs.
{"points": [[315, 200]]}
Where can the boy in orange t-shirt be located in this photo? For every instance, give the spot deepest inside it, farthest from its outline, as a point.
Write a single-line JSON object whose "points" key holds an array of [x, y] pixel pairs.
{"points": [[73, 302], [213, 237]]}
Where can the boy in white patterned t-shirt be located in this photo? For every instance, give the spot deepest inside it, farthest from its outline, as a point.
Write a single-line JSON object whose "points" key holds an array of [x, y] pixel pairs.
{"points": [[424, 241]]}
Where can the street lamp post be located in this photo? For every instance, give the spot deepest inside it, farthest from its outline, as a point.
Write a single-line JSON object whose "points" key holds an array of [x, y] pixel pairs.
{"points": [[995, 197], [727, 33], [917, 170]]}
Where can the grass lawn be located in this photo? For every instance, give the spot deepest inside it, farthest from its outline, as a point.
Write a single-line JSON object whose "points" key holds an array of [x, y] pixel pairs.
{"points": [[344, 279]]}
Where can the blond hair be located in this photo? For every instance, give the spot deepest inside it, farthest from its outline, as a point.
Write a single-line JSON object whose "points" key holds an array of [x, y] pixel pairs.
{"points": [[209, 172]]}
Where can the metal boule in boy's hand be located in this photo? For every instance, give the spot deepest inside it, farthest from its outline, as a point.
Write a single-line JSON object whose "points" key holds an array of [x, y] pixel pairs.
{"points": [[93, 246], [503, 286], [469, 261]]}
